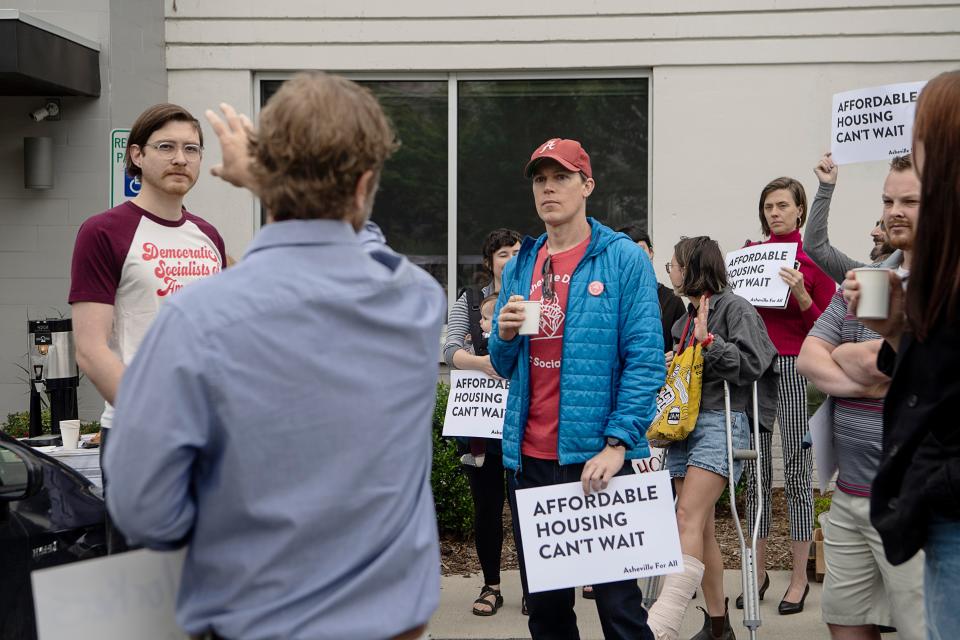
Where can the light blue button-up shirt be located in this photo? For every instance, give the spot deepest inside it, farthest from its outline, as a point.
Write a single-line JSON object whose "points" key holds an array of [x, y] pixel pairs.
{"points": [[276, 418]]}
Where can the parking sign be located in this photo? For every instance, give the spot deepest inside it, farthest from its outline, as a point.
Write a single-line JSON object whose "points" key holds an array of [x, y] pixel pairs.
{"points": [[122, 186]]}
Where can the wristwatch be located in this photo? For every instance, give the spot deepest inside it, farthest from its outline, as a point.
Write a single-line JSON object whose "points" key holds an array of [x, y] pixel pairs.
{"points": [[615, 442]]}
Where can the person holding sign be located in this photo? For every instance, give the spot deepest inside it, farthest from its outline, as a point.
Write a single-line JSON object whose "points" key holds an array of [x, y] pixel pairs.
{"points": [[487, 480], [583, 389], [783, 211], [736, 351], [816, 239], [915, 497]]}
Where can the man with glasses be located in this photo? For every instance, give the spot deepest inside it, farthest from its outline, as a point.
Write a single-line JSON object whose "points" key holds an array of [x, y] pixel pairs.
{"points": [[128, 260], [582, 391]]}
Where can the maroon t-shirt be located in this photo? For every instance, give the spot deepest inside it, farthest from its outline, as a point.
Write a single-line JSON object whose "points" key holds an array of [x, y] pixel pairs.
{"points": [[133, 260]]}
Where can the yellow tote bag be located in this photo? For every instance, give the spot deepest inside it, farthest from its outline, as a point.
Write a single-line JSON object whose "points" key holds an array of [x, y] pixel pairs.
{"points": [[678, 403]]}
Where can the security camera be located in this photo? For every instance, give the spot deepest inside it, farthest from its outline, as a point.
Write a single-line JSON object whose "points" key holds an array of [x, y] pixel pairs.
{"points": [[49, 110]]}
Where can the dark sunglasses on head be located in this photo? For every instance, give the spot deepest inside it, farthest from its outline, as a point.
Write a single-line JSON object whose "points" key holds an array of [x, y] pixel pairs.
{"points": [[547, 275]]}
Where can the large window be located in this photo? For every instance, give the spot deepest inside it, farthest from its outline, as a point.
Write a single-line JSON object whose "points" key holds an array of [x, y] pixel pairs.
{"points": [[438, 199], [411, 205], [501, 122]]}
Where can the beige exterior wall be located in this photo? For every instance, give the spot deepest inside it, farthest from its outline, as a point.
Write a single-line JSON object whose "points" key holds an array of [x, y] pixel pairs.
{"points": [[38, 227], [740, 89]]}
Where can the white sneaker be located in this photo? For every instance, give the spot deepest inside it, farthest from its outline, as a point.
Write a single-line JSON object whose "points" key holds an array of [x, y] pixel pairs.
{"points": [[470, 460]]}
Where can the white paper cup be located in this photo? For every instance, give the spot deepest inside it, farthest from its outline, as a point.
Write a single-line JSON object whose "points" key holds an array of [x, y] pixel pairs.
{"points": [[874, 302], [70, 432], [531, 320]]}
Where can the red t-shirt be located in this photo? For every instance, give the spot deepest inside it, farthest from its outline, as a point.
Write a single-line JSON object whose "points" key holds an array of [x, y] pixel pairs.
{"points": [[546, 351]]}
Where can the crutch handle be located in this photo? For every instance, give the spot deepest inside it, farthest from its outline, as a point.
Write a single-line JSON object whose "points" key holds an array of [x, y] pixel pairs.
{"points": [[744, 454]]}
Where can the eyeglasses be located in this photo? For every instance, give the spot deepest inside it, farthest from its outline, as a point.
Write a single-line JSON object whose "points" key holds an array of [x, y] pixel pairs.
{"points": [[547, 275], [168, 150]]}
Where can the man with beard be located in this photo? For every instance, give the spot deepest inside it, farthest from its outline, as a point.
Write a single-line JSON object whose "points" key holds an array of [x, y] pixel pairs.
{"points": [[128, 260], [881, 248], [816, 240], [862, 590]]}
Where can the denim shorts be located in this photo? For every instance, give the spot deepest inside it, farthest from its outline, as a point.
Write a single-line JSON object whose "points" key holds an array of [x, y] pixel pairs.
{"points": [[706, 446]]}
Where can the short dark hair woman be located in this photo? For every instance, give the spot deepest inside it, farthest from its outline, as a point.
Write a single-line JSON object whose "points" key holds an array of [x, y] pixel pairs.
{"points": [[736, 351], [485, 474], [915, 498]]}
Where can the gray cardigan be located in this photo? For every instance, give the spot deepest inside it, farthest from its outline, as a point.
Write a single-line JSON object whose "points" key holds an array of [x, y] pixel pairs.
{"points": [[816, 241], [741, 353]]}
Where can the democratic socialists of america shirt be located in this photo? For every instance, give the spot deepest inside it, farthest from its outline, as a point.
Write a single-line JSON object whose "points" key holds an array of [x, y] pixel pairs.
{"points": [[540, 438], [134, 260]]}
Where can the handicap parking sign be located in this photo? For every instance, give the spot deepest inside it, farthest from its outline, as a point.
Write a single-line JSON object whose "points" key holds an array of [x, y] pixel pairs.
{"points": [[131, 186]]}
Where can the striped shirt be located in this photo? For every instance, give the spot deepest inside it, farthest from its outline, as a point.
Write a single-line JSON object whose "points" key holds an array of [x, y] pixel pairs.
{"points": [[857, 422], [458, 324]]}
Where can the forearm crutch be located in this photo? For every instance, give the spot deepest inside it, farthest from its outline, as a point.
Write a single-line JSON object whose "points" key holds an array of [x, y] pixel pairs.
{"points": [[748, 554]]}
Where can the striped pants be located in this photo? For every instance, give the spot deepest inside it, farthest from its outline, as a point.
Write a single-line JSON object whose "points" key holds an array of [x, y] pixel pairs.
{"points": [[797, 462]]}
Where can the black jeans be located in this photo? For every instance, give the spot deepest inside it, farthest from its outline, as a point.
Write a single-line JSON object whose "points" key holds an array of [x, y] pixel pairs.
{"points": [[116, 543], [619, 604], [488, 490]]}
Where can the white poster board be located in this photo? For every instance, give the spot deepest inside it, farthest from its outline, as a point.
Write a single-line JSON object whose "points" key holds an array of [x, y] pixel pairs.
{"points": [[625, 532], [476, 405], [821, 432], [657, 461], [128, 595], [873, 124], [754, 273]]}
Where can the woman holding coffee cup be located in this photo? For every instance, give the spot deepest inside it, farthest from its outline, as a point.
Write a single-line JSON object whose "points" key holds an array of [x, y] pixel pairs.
{"points": [[483, 464], [782, 212], [915, 497]]}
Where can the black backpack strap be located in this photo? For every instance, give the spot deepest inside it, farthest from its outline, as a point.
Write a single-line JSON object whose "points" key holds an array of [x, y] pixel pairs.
{"points": [[474, 298]]}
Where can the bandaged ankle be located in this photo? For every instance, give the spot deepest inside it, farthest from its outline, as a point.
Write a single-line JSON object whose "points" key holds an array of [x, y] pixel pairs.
{"points": [[666, 614]]}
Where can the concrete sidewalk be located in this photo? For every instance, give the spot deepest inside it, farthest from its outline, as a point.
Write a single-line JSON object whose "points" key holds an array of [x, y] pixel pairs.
{"points": [[454, 621]]}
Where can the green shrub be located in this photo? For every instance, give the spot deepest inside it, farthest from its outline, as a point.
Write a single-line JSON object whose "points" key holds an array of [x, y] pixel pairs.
{"points": [[821, 504], [815, 398], [451, 491], [18, 424], [723, 502]]}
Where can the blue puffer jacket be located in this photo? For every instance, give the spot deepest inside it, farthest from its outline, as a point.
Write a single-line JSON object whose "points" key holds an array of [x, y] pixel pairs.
{"points": [[612, 366]]}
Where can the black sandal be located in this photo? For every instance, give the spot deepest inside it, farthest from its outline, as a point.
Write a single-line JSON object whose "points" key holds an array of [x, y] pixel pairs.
{"points": [[485, 593]]}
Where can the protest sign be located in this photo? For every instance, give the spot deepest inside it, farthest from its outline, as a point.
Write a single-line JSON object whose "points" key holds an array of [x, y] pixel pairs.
{"points": [[873, 124], [476, 405], [754, 273], [657, 461], [625, 532], [128, 595]]}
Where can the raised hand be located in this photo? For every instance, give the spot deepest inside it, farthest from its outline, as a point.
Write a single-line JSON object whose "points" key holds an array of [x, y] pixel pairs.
{"points": [[826, 169], [234, 132]]}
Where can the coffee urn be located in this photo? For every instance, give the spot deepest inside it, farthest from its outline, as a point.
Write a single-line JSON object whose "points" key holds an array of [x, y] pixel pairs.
{"points": [[53, 367]]}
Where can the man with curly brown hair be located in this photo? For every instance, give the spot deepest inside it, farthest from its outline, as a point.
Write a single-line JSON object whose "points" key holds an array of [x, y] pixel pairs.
{"points": [[263, 402]]}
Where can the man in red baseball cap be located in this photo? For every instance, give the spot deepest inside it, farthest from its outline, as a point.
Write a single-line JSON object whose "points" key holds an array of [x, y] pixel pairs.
{"points": [[600, 320]]}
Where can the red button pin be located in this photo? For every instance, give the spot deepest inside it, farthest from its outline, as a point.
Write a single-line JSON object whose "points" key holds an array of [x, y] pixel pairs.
{"points": [[595, 288]]}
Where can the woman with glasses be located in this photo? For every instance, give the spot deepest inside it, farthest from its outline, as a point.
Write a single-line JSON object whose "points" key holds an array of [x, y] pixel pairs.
{"points": [[736, 352], [782, 211], [465, 348]]}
